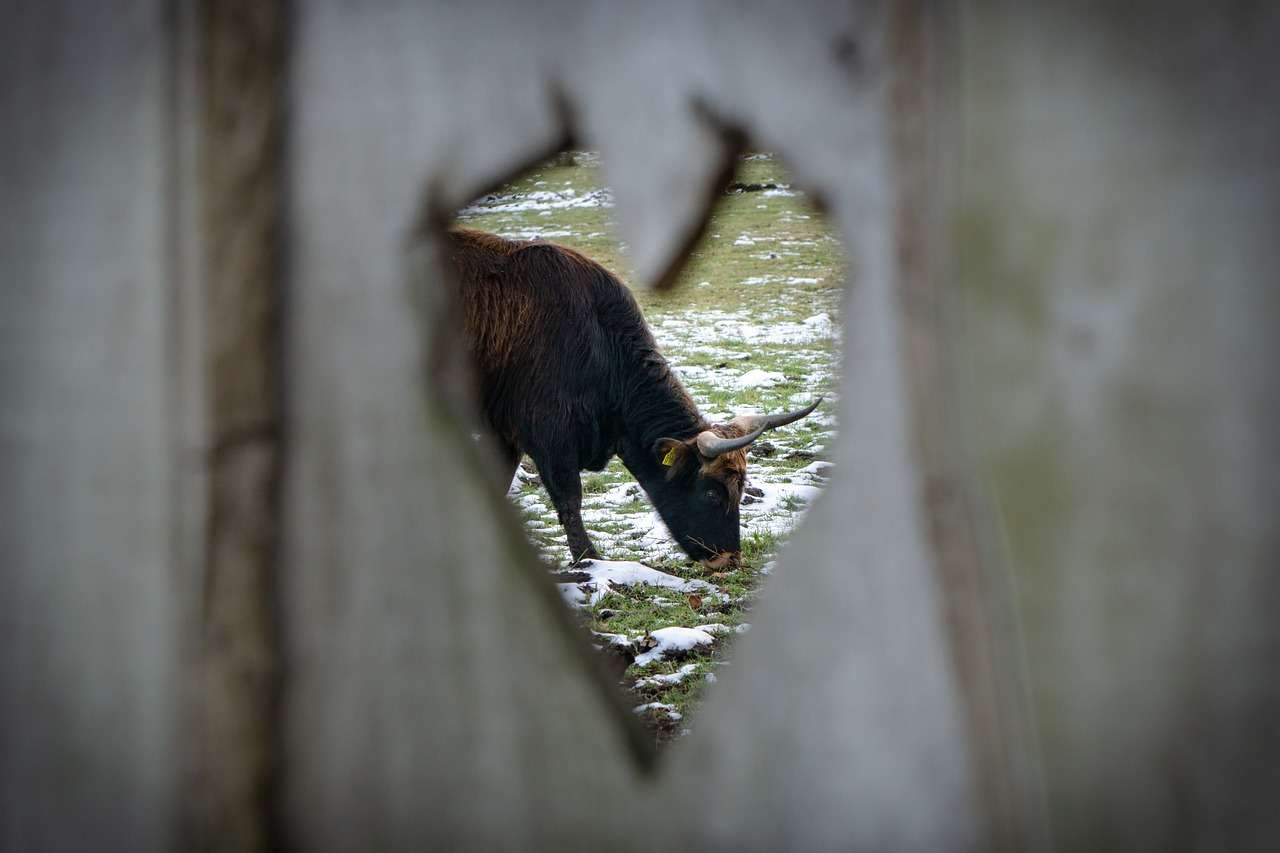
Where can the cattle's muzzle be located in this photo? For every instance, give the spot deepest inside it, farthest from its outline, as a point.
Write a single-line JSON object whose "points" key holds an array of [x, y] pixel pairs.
{"points": [[719, 561]]}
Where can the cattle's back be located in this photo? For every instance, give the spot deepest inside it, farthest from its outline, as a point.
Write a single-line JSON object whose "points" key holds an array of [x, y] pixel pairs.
{"points": [[526, 305], [551, 333]]}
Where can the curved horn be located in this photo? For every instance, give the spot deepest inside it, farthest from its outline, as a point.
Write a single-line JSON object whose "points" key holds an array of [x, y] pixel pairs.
{"points": [[763, 422], [711, 445]]}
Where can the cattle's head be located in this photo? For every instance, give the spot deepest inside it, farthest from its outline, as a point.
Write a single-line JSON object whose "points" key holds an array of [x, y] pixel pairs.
{"points": [[704, 479]]}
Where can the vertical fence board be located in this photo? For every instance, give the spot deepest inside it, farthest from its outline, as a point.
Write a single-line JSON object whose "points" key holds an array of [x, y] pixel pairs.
{"points": [[416, 645], [241, 61], [88, 614], [841, 721], [1117, 253], [435, 693]]}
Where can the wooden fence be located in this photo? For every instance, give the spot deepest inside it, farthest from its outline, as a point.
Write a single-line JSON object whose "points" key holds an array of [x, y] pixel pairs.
{"points": [[256, 595]]}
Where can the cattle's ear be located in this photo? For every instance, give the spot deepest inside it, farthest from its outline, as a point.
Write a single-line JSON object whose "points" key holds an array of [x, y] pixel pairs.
{"points": [[668, 451]]}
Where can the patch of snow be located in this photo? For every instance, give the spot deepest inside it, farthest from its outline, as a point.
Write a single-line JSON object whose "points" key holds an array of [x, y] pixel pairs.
{"points": [[710, 327], [817, 469], [672, 713], [520, 477], [607, 574], [533, 233], [667, 680], [541, 201], [675, 640], [622, 493], [744, 240], [573, 594], [822, 323], [721, 628], [758, 378], [611, 639], [693, 371], [771, 513]]}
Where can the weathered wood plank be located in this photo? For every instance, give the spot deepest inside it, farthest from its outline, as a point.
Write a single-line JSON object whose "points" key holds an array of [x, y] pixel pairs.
{"points": [[1117, 251], [231, 804], [89, 613], [435, 694], [420, 632]]}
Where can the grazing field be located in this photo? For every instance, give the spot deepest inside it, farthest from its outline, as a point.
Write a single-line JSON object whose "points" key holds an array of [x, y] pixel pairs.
{"points": [[752, 326]]}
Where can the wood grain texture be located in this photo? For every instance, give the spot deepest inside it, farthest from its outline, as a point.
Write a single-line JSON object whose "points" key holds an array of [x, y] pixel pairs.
{"points": [[241, 48], [1116, 262], [89, 612], [420, 625], [976, 588]]}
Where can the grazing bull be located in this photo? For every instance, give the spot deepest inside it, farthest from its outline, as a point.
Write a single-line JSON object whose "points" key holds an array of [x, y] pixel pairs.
{"points": [[570, 374]]}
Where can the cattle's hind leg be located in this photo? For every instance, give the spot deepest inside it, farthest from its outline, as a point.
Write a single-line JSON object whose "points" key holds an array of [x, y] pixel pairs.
{"points": [[564, 485]]}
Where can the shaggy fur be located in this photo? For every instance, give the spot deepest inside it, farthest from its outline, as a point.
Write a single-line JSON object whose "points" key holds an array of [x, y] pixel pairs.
{"points": [[570, 374]]}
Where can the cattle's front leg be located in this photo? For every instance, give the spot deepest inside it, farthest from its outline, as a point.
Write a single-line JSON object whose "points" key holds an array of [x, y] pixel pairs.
{"points": [[565, 488]]}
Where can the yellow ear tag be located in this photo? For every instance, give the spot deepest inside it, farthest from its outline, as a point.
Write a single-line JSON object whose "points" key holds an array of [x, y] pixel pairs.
{"points": [[670, 458]]}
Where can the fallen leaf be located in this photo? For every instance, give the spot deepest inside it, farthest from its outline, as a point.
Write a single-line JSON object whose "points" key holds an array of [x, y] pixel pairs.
{"points": [[695, 600]]}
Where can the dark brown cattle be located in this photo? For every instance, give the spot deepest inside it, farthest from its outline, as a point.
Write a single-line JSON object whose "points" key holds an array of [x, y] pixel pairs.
{"points": [[570, 374]]}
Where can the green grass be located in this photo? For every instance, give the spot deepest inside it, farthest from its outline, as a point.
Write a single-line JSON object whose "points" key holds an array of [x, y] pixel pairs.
{"points": [[594, 484], [759, 548], [768, 219], [792, 504]]}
